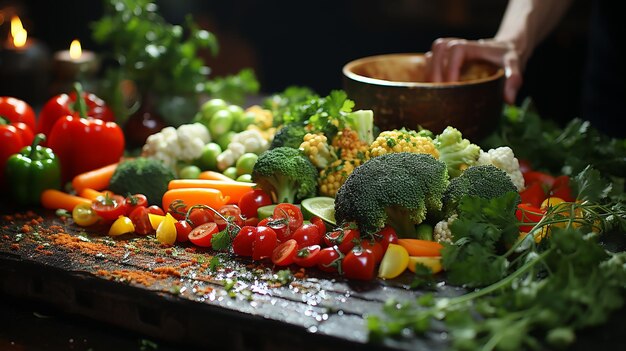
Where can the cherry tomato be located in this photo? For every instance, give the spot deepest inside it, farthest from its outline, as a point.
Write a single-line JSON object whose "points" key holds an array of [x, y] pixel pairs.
{"points": [[134, 201], [291, 212], [242, 244], [141, 220], [84, 216], [280, 226], [199, 216], [264, 244], [183, 228], [329, 259], [534, 194], [319, 223], [359, 264], [202, 234], [109, 207], [375, 248], [344, 238], [529, 214], [154, 209], [387, 236], [250, 202], [284, 254], [252, 221], [231, 212], [543, 178], [308, 234], [562, 189], [307, 256]]}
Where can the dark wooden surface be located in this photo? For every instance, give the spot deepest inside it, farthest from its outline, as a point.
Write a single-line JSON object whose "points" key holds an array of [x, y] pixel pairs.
{"points": [[187, 303]]}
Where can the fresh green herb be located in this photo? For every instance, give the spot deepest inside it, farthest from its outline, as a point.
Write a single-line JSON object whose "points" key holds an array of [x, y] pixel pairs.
{"points": [[145, 345], [62, 213], [216, 262], [282, 277], [18, 237]]}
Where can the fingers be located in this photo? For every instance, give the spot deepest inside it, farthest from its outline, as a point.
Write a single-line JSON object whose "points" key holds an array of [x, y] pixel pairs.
{"points": [[513, 75]]}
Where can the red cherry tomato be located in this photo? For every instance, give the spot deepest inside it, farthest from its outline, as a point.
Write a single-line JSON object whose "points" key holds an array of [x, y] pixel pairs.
{"points": [[359, 264], [284, 253], [242, 244], [280, 226], [202, 234], [183, 228], [250, 202], [231, 212], [199, 216], [154, 209], [252, 221], [387, 236], [264, 244], [307, 256], [134, 201], [344, 238], [291, 212], [141, 221], [534, 194], [109, 207], [375, 248], [319, 223], [562, 189], [329, 259], [308, 234], [529, 214]]}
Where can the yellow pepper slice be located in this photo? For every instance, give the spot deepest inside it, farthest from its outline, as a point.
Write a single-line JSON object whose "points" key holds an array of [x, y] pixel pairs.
{"points": [[394, 262]]}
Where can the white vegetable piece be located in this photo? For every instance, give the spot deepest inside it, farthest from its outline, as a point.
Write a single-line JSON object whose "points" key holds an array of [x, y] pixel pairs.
{"points": [[171, 145], [503, 158]]}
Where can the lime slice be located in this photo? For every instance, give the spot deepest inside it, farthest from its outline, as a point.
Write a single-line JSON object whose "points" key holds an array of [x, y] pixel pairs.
{"points": [[321, 206], [265, 211]]}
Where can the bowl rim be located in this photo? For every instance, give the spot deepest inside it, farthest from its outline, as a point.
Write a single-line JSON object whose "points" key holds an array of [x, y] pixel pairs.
{"points": [[347, 72]]}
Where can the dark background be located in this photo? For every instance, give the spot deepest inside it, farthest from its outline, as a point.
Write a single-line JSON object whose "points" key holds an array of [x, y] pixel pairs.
{"points": [[307, 43]]}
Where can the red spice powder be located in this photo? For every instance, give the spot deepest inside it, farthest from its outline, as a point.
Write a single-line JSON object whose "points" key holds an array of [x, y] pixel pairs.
{"points": [[74, 243]]}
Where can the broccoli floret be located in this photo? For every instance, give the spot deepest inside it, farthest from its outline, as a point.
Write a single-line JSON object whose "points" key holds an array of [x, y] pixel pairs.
{"points": [[286, 174], [396, 189], [457, 153], [290, 135], [142, 175], [485, 181]]}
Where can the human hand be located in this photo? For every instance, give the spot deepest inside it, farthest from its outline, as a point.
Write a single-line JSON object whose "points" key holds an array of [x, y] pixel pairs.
{"points": [[447, 56]]}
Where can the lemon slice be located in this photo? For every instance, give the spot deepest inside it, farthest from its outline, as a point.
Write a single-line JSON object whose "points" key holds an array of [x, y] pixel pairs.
{"points": [[394, 262], [320, 206]]}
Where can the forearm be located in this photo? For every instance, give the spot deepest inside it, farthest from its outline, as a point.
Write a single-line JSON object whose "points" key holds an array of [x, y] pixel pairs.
{"points": [[527, 22]]}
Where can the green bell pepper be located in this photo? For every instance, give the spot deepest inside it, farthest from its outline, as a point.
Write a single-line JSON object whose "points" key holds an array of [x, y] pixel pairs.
{"points": [[31, 171]]}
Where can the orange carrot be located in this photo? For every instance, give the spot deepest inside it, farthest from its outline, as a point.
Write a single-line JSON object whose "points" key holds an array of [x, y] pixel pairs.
{"points": [[97, 179], [233, 189], [417, 247], [55, 199], [195, 196], [92, 194], [213, 175]]}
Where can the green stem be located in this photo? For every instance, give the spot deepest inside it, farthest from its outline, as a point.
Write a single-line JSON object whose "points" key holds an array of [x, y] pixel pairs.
{"points": [[33, 146], [80, 105]]}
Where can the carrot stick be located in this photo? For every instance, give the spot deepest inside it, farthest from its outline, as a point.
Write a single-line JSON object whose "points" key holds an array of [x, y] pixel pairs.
{"points": [[97, 179], [195, 196], [417, 247], [55, 199], [92, 194], [213, 175], [231, 188]]}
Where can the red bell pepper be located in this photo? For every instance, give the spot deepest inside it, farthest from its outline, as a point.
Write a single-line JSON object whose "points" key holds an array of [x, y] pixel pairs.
{"points": [[67, 105], [529, 215], [85, 143], [13, 137], [16, 110]]}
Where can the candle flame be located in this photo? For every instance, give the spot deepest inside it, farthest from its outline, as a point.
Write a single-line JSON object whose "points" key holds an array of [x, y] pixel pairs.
{"points": [[75, 49], [18, 32]]}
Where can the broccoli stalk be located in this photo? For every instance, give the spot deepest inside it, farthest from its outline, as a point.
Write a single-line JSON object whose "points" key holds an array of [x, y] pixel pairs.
{"points": [[362, 121], [397, 189], [286, 174]]}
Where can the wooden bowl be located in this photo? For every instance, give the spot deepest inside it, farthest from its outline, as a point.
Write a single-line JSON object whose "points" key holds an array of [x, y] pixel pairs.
{"points": [[395, 88]]}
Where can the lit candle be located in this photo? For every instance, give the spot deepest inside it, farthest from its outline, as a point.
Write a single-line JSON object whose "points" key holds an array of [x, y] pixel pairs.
{"points": [[24, 66], [74, 65]]}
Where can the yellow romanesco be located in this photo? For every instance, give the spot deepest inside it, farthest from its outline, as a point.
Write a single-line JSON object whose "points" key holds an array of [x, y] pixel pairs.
{"points": [[333, 176], [402, 140], [315, 146]]}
